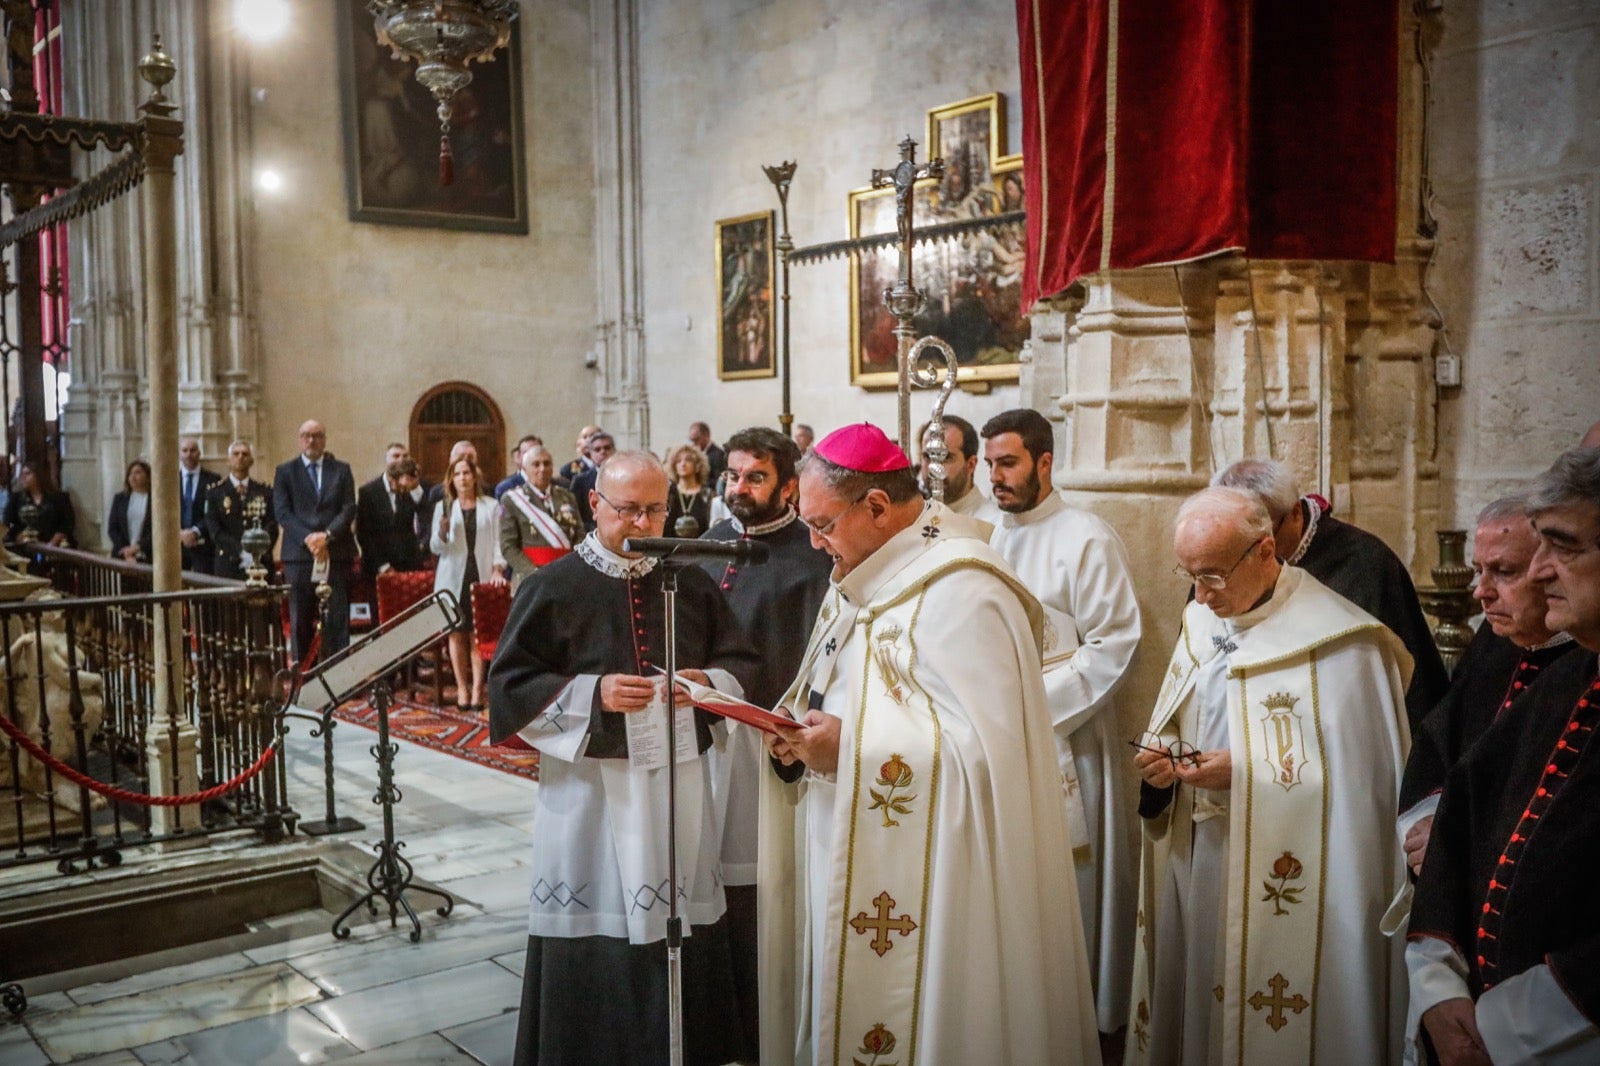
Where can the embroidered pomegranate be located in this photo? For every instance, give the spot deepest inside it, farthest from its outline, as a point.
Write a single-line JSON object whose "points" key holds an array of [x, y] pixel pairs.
{"points": [[1287, 868], [878, 1041], [895, 773]]}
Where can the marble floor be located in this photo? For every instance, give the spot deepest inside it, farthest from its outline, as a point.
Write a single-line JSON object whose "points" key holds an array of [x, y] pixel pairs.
{"points": [[294, 994]]}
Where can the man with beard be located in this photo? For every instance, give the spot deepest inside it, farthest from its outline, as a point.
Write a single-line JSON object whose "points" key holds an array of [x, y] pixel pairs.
{"points": [[235, 504], [1509, 652], [775, 604], [1351, 562], [1504, 952], [576, 677], [1078, 568], [961, 493]]}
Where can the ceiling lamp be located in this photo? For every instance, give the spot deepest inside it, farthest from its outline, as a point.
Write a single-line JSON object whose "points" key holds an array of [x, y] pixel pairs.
{"points": [[443, 36]]}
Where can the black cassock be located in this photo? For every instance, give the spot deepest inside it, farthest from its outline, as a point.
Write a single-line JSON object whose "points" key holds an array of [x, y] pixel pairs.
{"points": [[1492, 673], [1361, 568], [1514, 857], [598, 999], [776, 603]]}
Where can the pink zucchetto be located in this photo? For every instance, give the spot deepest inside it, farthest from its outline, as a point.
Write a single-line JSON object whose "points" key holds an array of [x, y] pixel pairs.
{"points": [[862, 448]]}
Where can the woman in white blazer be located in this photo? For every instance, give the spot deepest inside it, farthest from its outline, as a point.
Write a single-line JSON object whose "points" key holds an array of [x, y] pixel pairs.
{"points": [[466, 539]]}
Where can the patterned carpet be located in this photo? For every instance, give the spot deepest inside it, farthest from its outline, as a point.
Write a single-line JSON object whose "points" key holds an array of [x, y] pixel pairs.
{"points": [[459, 733]]}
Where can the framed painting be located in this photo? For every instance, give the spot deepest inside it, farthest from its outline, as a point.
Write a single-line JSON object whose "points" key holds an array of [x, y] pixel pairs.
{"points": [[972, 282], [746, 319], [391, 137]]}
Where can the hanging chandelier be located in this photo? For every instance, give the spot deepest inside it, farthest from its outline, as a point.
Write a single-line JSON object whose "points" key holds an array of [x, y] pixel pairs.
{"points": [[443, 36]]}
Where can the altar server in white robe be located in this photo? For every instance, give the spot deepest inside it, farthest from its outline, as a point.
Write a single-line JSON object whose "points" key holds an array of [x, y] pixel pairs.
{"points": [[1269, 854], [1077, 567], [961, 493], [916, 896]]}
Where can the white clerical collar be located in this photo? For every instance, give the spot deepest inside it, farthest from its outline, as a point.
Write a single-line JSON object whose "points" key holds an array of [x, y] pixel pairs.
{"points": [[1053, 505], [1558, 639], [788, 516], [1288, 579], [859, 585], [609, 563]]}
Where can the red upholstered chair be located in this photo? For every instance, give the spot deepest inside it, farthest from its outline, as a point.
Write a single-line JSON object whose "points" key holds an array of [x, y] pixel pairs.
{"points": [[398, 590], [490, 606]]}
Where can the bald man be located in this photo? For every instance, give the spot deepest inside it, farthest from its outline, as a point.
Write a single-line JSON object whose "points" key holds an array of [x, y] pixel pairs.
{"points": [[1270, 766], [576, 676], [314, 501]]}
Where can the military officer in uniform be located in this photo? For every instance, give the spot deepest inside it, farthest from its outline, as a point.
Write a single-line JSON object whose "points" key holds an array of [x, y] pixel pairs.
{"points": [[235, 504]]}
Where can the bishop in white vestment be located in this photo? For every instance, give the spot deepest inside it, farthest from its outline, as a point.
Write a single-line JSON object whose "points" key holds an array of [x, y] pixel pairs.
{"points": [[1077, 567], [917, 900], [1268, 857]]}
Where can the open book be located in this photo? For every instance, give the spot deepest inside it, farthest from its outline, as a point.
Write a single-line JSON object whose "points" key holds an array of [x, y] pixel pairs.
{"points": [[709, 699]]}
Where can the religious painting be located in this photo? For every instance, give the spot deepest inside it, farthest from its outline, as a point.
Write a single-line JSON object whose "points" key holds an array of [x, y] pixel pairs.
{"points": [[391, 137], [746, 322], [973, 281]]}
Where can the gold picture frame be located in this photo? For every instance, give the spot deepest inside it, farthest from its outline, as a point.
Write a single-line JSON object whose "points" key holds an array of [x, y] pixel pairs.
{"points": [[746, 311], [973, 282]]}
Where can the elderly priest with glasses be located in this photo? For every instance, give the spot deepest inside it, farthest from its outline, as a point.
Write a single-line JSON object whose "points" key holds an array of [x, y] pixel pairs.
{"points": [[916, 889], [1272, 761], [576, 677]]}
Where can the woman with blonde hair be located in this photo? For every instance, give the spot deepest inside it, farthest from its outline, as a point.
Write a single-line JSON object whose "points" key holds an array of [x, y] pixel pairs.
{"points": [[690, 497], [466, 540]]}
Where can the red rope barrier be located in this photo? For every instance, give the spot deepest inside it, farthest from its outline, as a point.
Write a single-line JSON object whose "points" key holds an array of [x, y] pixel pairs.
{"points": [[76, 776]]}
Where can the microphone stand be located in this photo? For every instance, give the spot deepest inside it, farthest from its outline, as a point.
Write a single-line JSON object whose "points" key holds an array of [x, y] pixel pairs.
{"points": [[669, 588]]}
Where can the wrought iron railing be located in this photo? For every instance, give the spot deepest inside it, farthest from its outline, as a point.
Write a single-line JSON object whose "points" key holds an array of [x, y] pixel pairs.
{"points": [[80, 678]]}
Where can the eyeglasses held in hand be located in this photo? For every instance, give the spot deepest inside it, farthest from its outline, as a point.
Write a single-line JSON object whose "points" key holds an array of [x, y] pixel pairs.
{"points": [[1178, 753]]}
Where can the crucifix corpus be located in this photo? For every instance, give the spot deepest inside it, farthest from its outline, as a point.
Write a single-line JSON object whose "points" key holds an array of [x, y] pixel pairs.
{"points": [[904, 301]]}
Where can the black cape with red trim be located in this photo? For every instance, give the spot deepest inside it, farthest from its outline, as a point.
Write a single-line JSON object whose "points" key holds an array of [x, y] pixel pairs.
{"points": [[1541, 902], [1492, 673]]}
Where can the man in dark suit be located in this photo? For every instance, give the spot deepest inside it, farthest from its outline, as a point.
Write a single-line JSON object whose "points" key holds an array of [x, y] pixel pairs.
{"points": [[516, 480], [193, 484], [235, 504], [601, 448], [386, 520], [700, 437], [314, 500]]}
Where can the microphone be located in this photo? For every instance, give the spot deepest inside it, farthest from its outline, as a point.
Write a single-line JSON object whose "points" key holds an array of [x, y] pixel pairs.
{"points": [[672, 549]]}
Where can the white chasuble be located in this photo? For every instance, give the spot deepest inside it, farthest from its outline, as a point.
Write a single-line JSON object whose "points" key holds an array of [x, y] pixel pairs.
{"points": [[1296, 862], [920, 907], [1076, 565]]}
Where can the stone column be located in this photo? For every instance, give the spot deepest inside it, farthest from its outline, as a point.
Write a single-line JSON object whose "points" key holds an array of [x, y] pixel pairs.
{"points": [[1117, 368], [218, 364], [621, 404]]}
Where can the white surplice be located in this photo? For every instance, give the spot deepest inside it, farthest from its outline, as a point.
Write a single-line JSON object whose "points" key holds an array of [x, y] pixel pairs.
{"points": [[945, 820], [1260, 938], [1078, 568]]}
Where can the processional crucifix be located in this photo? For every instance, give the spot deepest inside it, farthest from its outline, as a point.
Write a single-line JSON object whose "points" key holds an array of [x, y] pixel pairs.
{"points": [[904, 301]]}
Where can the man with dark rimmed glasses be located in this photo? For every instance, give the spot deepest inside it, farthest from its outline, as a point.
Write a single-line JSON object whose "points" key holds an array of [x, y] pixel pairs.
{"points": [[1269, 767]]}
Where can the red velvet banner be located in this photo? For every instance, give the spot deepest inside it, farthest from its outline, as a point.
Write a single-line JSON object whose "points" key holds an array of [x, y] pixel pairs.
{"points": [[1162, 131]]}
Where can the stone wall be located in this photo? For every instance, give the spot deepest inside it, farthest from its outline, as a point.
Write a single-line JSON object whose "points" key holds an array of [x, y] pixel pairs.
{"points": [[1516, 173], [730, 85]]}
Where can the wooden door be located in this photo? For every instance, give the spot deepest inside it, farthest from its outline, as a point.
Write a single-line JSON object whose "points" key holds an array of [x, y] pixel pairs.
{"points": [[456, 411]]}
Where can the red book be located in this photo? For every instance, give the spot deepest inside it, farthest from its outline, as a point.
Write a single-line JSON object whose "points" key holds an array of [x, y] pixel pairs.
{"points": [[709, 699]]}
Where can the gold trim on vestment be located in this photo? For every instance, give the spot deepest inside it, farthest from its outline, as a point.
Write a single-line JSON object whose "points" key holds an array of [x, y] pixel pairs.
{"points": [[1234, 671], [1322, 893], [927, 847], [850, 854], [1246, 881]]}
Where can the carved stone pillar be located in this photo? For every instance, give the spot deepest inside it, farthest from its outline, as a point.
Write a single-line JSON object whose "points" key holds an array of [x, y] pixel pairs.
{"points": [[621, 405], [218, 374]]}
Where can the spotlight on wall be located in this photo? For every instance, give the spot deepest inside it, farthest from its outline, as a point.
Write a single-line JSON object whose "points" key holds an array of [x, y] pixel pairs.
{"points": [[269, 181], [261, 20]]}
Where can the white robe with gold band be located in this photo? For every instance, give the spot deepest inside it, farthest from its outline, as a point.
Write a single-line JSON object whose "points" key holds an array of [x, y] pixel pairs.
{"points": [[921, 908], [1279, 883]]}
